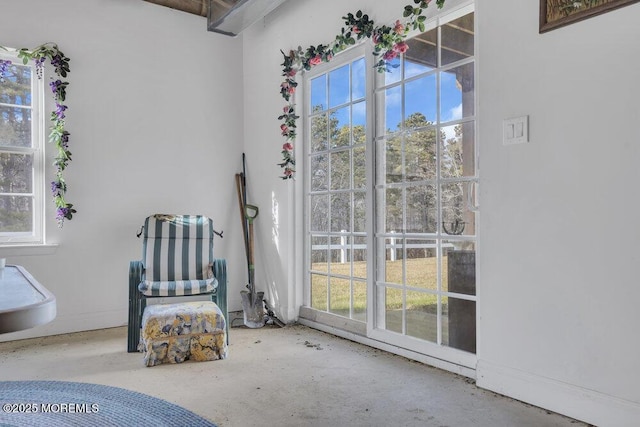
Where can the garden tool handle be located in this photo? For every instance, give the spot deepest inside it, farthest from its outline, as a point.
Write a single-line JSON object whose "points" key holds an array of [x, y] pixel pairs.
{"points": [[248, 209]]}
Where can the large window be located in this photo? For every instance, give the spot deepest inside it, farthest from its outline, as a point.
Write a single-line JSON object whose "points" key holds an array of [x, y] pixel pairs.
{"points": [[390, 182], [21, 154], [337, 124], [425, 186]]}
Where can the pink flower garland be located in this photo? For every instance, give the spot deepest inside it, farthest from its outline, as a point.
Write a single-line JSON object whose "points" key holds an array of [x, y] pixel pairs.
{"points": [[388, 44]]}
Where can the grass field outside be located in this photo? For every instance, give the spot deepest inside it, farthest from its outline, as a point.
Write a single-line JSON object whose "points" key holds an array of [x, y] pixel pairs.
{"points": [[421, 273], [420, 315]]}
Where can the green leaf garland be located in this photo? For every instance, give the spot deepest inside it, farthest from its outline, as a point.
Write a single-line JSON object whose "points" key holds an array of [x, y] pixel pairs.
{"points": [[388, 43], [58, 135]]}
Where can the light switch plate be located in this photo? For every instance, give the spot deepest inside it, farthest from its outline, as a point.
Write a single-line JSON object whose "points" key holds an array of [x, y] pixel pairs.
{"points": [[515, 130]]}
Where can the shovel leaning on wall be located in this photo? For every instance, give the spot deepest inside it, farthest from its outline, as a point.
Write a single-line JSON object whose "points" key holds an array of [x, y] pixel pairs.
{"points": [[252, 301]]}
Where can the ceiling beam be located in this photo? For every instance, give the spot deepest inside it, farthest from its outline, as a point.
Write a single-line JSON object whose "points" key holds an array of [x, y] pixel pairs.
{"points": [[195, 7]]}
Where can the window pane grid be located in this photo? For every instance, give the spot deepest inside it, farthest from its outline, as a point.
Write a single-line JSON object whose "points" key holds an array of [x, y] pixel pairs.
{"points": [[424, 182], [337, 120], [21, 164]]}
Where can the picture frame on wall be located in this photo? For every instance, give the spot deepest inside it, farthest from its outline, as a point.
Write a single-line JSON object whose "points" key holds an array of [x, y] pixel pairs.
{"points": [[558, 13]]}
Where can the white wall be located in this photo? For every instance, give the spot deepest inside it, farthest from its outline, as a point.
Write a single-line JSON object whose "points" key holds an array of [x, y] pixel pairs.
{"points": [[558, 236], [155, 115], [556, 285], [558, 258]]}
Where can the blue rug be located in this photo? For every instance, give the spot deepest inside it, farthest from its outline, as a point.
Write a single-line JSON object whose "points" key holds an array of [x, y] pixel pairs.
{"points": [[61, 403]]}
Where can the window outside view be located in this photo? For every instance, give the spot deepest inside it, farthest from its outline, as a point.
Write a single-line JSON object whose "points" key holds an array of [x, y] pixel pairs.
{"points": [[423, 194], [17, 152]]}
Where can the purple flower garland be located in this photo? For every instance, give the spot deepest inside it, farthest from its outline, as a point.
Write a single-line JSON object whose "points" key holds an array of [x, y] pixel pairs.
{"points": [[58, 134]]}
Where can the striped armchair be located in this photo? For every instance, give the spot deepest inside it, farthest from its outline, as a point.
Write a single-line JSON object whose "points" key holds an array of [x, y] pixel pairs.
{"points": [[177, 260]]}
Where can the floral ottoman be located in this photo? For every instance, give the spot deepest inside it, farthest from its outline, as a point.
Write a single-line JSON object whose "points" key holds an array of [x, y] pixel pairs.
{"points": [[173, 333]]}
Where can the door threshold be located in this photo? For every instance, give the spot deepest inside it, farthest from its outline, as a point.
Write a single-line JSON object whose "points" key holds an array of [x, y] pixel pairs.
{"points": [[409, 354]]}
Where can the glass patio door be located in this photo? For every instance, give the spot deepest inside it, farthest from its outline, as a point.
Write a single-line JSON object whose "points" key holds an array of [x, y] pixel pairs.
{"points": [[337, 188], [390, 193], [425, 186]]}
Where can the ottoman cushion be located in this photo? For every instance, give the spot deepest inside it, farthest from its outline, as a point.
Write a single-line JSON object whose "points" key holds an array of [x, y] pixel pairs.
{"points": [[173, 333]]}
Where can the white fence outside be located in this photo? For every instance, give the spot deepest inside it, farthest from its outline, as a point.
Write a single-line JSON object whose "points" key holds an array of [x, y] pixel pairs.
{"points": [[392, 245]]}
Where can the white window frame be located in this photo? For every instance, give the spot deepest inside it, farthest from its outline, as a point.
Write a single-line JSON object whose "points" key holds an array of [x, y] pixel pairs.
{"points": [[349, 56], [37, 149]]}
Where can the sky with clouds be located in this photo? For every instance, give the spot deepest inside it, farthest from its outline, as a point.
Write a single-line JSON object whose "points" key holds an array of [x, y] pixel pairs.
{"points": [[420, 94]]}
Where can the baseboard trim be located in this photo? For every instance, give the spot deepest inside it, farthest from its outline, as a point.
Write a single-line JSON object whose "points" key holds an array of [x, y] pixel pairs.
{"points": [[582, 404], [334, 321]]}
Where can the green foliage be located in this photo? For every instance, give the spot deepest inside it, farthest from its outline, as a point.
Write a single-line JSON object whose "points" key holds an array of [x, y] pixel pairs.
{"points": [[15, 219]]}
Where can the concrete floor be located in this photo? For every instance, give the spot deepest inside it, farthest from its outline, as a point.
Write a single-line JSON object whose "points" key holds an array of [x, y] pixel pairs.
{"points": [[293, 376]]}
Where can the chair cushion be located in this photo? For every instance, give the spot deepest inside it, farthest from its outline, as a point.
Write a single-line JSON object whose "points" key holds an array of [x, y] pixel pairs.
{"points": [[178, 248], [177, 287]]}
